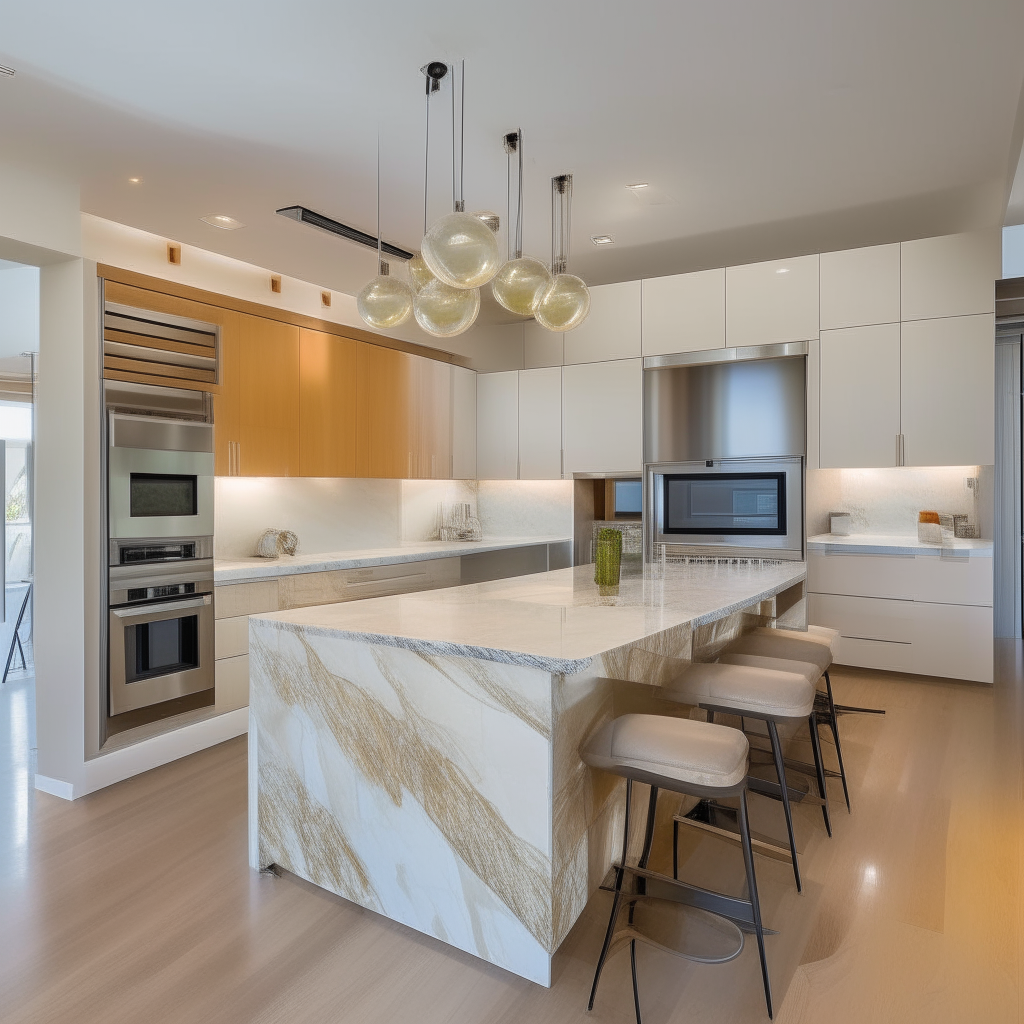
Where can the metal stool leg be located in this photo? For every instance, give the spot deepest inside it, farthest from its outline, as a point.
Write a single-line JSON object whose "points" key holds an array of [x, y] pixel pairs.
{"points": [[780, 768], [616, 899], [748, 864], [820, 771], [833, 721]]}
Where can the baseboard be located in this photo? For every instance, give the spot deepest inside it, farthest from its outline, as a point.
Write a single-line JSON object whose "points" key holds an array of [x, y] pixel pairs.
{"points": [[55, 787]]}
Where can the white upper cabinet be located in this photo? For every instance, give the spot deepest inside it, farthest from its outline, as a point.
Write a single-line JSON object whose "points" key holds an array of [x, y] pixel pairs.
{"points": [[947, 388], [463, 423], [540, 424], [497, 425], [684, 313], [601, 415], [541, 347], [953, 275], [767, 303], [860, 397], [860, 287], [612, 330]]}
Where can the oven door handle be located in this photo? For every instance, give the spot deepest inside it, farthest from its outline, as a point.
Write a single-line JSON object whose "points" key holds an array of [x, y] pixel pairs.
{"points": [[142, 611]]}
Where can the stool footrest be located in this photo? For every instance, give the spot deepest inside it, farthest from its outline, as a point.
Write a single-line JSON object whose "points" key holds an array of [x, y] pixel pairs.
{"points": [[723, 821], [665, 887]]}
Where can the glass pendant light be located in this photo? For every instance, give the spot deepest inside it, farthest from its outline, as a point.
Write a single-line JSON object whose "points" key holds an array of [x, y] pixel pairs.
{"points": [[566, 303], [386, 301], [460, 249], [522, 281], [444, 311]]}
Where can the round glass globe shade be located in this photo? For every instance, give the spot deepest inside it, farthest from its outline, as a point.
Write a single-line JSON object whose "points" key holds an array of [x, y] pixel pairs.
{"points": [[420, 273], [564, 305], [385, 302], [520, 285], [444, 311], [461, 250]]}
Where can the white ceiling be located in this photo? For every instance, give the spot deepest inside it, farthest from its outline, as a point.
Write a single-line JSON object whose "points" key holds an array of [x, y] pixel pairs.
{"points": [[768, 128]]}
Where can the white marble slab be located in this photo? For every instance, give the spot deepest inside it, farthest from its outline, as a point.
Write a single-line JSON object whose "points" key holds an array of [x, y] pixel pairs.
{"points": [[556, 621], [238, 570], [896, 544]]}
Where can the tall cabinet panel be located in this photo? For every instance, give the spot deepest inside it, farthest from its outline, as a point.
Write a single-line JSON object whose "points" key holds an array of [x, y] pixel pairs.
{"points": [[328, 393], [540, 424], [767, 303], [859, 397], [391, 408], [602, 418], [463, 423], [612, 330], [497, 435], [433, 421], [948, 369], [269, 397]]}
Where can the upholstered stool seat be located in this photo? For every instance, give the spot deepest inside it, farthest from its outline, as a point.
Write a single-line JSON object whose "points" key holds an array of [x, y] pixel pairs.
{"points": [[813, 635], [782, 646], [693, 758], [674, 750], [760, 690]]}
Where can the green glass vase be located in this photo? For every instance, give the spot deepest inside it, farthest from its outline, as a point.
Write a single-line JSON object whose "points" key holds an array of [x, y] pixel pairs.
{"points": [[608, 557]]}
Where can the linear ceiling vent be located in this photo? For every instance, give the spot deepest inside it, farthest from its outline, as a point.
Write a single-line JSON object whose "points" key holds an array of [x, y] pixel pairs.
{"points": [[155, 348], [335, 227]]}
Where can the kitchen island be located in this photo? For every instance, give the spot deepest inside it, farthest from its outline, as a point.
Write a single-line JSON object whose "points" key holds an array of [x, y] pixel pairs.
{"points": [[418, 754]]}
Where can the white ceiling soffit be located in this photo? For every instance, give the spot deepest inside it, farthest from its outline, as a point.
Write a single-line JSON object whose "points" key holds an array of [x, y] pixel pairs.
{"points": [[767, 129]]}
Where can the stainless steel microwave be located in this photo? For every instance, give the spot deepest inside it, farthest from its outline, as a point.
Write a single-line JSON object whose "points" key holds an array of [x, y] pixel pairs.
{"points": [[752, 508], [160, 474]]}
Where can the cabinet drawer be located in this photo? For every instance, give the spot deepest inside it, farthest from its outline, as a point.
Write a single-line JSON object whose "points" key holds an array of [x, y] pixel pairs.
{"points": [[231, 683], [231, 636], [954, 642], [232, 599], [864, 618], [953, 580], [890, 576], [879, 654]]}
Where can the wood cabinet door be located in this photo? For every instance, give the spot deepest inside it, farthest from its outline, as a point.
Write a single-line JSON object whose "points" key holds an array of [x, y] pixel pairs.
{"points": [[329, 384], [391, 409], [948, 394], [859, 406], [268, 381]]}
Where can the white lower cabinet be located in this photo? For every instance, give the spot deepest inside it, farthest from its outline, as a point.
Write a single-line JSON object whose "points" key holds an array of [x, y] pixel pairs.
{"points": [[601, 407], [540, 424], [920, 614]]}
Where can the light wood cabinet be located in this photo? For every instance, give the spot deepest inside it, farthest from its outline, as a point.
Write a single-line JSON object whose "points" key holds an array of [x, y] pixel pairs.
{"points": [[540, 424], [953, 275], [497, 437], [601, 405], [684, 313], [329, 420], [612, 330], [947, 391], [769, 303], [463, 423], [859, 287], [431, 419], [859, 419]]}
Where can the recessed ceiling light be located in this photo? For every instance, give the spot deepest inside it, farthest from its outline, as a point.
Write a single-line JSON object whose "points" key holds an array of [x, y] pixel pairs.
{"points": [[602, 239], [219, 220], [782, 270], [639, 184], [134, 181]]}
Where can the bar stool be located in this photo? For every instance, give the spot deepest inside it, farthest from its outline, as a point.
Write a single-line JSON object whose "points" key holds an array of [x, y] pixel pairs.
{"points": [[695, 759], [770, 694], [760, 648]]}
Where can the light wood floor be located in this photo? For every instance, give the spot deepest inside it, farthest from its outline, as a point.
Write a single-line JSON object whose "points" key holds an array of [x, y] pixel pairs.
{"points": [[136, 905]]}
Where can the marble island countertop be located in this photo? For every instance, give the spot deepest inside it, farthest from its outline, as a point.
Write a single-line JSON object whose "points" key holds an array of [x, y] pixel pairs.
{"points": [[558, 621], [239, 570], [895, 544]]}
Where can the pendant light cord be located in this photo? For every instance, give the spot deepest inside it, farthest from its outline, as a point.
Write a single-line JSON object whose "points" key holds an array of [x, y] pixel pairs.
{"points": [[380, 260], [519, 197], [458, 139], [426, 158]]}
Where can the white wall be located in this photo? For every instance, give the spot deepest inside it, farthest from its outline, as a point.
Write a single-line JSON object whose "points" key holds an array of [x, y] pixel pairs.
{"points": [[1013, 251], [19, 311]]}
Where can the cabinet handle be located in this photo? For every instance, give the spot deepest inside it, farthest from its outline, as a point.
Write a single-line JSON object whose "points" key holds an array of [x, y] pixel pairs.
{"points": [[234, 458], [903, 450], [897, 449]]}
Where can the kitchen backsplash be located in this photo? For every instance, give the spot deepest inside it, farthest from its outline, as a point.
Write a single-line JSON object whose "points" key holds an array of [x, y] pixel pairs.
{"points": [[887, 501], [348, 514]]}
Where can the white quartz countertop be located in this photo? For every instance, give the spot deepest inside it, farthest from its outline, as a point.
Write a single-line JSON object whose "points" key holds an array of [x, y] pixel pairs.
{"points": [[241, 570], [557, 621], [898, 544]]}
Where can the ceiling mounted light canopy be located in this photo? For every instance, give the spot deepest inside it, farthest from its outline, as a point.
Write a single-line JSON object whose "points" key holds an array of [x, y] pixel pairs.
{"points": [[386, 301], [460, 249], [522, 281], [566, 303]]}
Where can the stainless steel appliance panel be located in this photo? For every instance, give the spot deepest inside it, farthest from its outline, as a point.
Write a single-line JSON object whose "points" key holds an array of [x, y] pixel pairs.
{"points": [[726, 410]]}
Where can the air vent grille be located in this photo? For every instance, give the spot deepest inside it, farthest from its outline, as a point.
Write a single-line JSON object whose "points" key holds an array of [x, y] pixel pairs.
{"points": [[158, 348]]}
